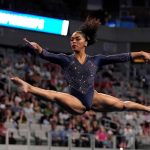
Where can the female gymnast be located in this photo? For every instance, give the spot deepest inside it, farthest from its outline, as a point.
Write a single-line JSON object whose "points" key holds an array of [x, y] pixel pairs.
{"points": [[80, 70]]}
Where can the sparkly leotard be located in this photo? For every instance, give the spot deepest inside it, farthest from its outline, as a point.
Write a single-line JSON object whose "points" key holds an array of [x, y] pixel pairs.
{"points": [[80, 77]]}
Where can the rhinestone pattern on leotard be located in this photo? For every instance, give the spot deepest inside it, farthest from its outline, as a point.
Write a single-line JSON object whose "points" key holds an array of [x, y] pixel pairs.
{"points": [[81, 76]]}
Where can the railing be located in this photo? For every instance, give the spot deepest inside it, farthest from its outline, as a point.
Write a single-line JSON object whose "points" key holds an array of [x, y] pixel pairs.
{"points": [[27, 140]]}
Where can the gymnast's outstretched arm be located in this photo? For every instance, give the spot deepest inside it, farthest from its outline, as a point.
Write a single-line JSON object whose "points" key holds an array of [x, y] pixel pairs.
{"points": [[60, 58], [122, 57]]}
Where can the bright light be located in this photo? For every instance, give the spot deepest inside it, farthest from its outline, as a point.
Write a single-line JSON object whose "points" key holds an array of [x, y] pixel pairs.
{"points": [[34, 23]]}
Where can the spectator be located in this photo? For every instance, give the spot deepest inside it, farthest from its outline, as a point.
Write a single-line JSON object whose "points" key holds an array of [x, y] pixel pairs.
{"points": [[21, 118], [101, 137], [12, 140], [129, 135], [3, 129]]}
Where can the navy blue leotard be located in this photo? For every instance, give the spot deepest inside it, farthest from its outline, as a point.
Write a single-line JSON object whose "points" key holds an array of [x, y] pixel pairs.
{"points": [[80, 77]]}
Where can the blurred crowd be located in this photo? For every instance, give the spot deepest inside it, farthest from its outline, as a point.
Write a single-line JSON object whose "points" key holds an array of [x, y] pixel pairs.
{"points": [[18, 108]]}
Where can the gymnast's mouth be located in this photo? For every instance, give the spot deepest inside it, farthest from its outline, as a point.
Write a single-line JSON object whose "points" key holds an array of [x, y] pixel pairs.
{"points": [[73, 46]]}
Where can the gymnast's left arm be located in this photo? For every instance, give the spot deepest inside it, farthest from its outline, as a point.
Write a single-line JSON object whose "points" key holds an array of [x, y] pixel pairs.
{"points": [[111, 59], [123, 57], [142, 55]]}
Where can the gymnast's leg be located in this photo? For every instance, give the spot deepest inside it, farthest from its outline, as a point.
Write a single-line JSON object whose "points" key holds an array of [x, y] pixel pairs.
{"points": [[67, 101], [106, 103]]}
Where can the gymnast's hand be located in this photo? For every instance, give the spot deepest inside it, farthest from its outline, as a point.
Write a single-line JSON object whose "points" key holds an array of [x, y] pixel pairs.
{"points": [[146, 57], [37, 48]]}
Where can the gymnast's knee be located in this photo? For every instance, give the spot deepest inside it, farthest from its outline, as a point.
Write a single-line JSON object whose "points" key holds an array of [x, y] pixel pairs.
{"points": [[125, 103]]}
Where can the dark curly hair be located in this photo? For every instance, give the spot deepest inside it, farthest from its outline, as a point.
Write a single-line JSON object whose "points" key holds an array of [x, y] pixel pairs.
{"points": [[89, 29]]}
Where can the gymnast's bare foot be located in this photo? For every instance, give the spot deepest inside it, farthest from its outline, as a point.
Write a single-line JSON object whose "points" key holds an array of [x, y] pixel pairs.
{"points": [[24, 86]]}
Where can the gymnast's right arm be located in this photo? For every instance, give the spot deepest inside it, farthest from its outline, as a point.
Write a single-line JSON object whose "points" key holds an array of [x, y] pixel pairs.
{"points": [[60, 59]]}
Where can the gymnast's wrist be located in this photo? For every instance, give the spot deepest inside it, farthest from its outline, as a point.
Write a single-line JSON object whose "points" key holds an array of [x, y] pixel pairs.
{"points": [[39, 50], [142, 53]]}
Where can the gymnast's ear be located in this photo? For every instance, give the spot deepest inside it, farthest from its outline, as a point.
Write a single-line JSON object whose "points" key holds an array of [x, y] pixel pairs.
{"points": [[85, 44]]}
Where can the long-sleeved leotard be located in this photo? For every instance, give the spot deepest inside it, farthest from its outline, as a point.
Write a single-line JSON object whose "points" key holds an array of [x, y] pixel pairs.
{"points": [[80, 77]]}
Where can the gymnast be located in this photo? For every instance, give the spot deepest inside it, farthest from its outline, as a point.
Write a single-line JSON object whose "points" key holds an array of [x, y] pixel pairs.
{"points": [[80, 70]]}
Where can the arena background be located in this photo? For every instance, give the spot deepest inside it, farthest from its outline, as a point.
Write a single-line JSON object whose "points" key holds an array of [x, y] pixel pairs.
{"points": [[125, 28]]}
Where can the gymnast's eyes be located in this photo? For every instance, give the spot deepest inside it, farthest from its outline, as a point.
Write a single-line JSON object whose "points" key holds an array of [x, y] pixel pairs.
{"points": [[76, 39]]}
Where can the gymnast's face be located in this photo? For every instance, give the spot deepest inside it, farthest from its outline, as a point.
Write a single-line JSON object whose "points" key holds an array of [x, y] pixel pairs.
{"points": [[78, 42]]}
